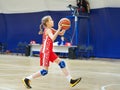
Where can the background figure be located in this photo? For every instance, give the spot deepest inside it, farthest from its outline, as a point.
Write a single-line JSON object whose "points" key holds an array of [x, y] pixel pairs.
{"points": [[62, 41], [83, 6]]}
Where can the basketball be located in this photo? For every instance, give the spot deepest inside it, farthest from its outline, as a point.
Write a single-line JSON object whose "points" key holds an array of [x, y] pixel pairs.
{"points": [[65, 23]]}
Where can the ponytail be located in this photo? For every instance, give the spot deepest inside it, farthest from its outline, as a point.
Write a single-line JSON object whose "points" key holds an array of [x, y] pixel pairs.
{"points": [[41, 29], [43, 23]]}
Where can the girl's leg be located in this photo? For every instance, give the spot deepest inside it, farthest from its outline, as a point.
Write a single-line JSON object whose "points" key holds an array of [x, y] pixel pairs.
{"points": [[62, 65], [63, 68], [42, 72], [27, 80]]}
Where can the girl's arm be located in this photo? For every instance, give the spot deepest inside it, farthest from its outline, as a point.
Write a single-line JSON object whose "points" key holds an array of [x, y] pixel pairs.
{"points": [[53, 36]]}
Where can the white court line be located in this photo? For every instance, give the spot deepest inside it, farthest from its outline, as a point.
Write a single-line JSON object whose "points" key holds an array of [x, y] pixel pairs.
{"points": [[15, 66], [101, 73], [5, 88], [103, 87], [58, 71], [10, 75], [105, 73]]}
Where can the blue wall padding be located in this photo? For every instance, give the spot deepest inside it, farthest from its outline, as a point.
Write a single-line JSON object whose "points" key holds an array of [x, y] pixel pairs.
{"points": [[104, 29]]}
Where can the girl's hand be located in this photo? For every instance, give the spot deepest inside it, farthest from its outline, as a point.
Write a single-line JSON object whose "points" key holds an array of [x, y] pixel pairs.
{"points": [[59, 26], [62, 32]]}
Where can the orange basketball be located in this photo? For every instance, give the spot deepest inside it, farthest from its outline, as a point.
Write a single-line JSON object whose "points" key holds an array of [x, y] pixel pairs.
{"points": [[65, 23]]}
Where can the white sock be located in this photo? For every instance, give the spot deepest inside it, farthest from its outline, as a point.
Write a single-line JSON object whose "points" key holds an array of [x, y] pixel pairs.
{"points": [[29, 77], [69, 77]]}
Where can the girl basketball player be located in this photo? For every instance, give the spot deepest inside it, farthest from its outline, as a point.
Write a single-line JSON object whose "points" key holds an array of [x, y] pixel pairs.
{"points": [[47, 55]]}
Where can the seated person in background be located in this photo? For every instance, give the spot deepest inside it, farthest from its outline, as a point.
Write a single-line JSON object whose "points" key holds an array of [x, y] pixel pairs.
{"points": [[62, 41]]}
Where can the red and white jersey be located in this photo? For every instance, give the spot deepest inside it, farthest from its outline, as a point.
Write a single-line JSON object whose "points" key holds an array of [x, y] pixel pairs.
{"points": [[46, 52], [47, 43]]}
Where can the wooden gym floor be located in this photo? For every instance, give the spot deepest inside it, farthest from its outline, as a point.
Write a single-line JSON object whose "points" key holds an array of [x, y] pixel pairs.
{"points": [[97, 74]]}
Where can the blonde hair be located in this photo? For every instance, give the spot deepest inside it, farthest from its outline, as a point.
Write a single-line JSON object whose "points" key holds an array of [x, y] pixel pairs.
{"points": [[43, 23]]}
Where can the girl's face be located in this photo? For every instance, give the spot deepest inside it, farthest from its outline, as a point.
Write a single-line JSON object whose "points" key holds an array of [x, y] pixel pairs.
{"points": [[50, 23]]}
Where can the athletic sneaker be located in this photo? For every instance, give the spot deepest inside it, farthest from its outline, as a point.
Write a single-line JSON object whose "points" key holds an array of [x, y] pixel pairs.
{"points": [[26, 82], [73, 82]]}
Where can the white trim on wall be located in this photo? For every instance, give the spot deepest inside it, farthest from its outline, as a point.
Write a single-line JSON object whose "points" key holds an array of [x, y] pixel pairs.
{"points": [[23, 6]]}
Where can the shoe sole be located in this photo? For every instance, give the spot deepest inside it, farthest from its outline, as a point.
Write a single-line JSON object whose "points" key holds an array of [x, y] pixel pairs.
{"points": [[25, 84], [72, 85]]}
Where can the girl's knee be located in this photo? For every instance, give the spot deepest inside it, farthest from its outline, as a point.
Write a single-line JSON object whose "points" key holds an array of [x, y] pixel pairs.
{"points": [[43, 72], [62, 64]]}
